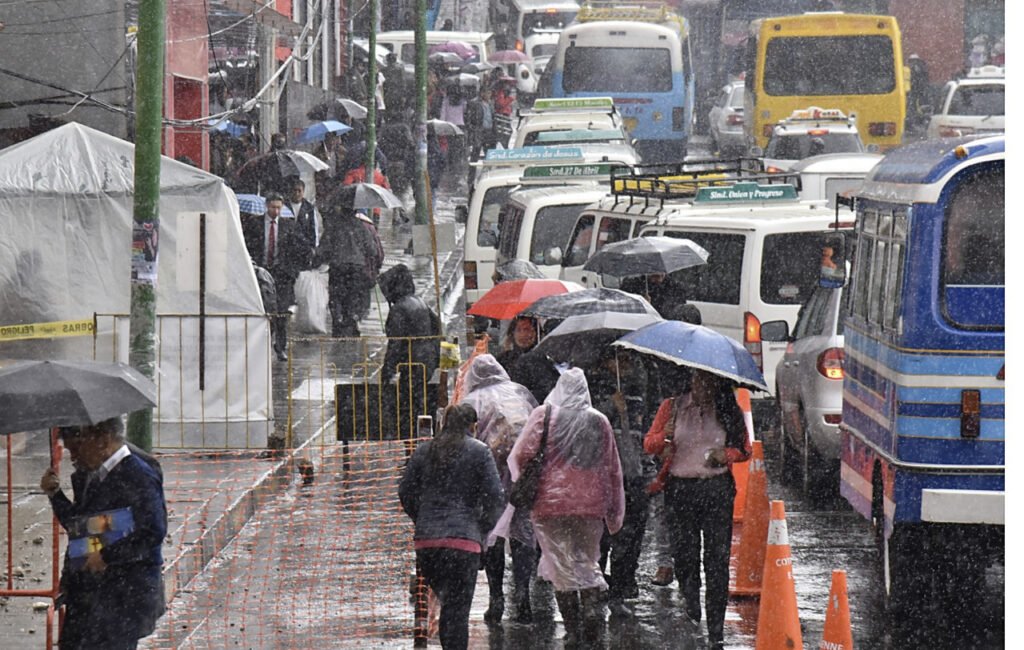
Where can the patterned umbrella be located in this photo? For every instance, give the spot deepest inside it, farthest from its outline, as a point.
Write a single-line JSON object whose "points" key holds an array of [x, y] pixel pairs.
{"points": [[589, 301]]}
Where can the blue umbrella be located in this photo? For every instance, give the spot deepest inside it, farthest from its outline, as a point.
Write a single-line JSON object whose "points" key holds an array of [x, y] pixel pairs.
{"points": [[227, 126], [318, 131], [251, 204], [698, 347]]}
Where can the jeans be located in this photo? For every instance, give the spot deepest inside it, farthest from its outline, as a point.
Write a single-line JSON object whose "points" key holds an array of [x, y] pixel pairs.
{"points": [[699, 507], [451, 573]]}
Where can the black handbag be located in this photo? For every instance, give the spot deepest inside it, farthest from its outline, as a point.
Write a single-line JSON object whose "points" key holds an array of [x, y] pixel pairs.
{"points": [[524, 491]]}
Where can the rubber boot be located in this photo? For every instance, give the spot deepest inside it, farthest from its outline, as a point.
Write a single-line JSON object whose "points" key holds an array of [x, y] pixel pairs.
{"points": [[524, 613], [592, 605], [495, 609], [569, 606]]}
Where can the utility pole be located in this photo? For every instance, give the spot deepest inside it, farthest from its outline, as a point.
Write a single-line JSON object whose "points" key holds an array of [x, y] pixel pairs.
{"points": [[420, 187], [149, 100], [371, 93]]}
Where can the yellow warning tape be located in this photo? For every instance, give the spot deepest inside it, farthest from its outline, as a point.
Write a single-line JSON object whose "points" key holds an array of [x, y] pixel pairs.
{"points": [[56, 329]]}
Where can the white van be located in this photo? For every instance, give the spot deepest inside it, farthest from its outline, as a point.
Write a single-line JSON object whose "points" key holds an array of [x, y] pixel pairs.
{"points": [[591, 113], [822, 177], [515, 20], [605, 222], [403, 43], [763, 265], [538, 222], [503, 170]]}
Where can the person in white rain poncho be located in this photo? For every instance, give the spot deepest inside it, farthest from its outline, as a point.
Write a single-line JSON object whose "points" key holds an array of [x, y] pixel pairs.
{"points": [[580, 493], [503, 407]]}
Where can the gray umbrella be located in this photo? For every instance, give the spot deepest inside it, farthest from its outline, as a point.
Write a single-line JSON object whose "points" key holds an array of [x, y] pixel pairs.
{"points": [[366, 196], [646, 255], [44, 394], [443, 128], [582, 339], [589, 301]]}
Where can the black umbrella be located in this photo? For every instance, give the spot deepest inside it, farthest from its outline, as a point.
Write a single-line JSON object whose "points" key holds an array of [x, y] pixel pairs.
{"points": [[44, 394], [271, 171], [646, 255], [517, 270], [589, 301], [582, 339]]}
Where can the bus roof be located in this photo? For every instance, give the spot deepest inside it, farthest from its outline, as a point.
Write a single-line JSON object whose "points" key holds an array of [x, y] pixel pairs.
{"points": [[923, 164], [795, 25]]}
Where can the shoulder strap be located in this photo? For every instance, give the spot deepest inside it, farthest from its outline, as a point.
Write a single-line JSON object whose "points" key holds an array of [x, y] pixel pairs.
{"points": [[544, 434]]}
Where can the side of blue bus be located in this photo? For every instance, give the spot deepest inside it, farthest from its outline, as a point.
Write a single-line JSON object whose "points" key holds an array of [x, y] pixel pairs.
{"points": [[644, 67], [923, 399]]}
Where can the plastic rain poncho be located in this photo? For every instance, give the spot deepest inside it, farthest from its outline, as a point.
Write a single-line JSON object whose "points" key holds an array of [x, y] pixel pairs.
{"points": [[581, 484], [503, 408]]}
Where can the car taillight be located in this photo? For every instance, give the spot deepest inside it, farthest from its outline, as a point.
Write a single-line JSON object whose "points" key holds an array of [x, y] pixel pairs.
{"points": [[970, 413], [519, 45], [882, 128], [772, 169], [752, 338], [954, 131], [678, 118], [768, 130], [734, 120], [830, 363], [469, 274], [833, 418]]}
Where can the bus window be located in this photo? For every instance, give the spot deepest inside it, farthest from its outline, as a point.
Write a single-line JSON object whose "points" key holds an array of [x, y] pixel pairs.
{"points": [[545, 21], [836, 65], [509, 241], [642, 70], [788, 273], [551, 229], [611, 231], [975, 230]]}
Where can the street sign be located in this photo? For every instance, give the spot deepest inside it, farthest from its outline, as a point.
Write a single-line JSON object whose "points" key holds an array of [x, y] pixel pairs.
{"points": [[573, 103], [567, 171], [746, 192], [528, 154]]}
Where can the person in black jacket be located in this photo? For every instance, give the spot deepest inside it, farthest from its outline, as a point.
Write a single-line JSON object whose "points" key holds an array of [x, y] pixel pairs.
{"points": [[413, 330], [113, 595], [451, 491]]}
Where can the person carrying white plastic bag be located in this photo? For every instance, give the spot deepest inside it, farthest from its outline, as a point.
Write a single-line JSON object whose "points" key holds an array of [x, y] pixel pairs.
{"points": [[311, 298]]}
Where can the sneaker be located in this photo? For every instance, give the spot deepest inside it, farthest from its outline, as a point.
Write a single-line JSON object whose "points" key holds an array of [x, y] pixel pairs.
{"points": [[663, 577]]}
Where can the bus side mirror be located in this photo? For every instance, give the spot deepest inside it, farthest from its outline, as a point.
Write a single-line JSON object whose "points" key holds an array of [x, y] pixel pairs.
{"points": [[872, 148], [610, 281], [461, 213], [756, 152], [487, 239], [833, 263], [553, 256]]}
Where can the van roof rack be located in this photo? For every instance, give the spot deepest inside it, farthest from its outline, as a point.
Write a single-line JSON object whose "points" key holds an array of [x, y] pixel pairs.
{"points": [[687, 180]]}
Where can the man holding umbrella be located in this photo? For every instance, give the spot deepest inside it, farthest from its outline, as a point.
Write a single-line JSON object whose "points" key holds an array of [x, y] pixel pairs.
{"points": [[116, 525]]}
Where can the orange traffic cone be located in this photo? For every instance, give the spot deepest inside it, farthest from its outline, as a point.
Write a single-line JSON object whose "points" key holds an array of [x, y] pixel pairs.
{"points": [[750, 558], [838, 634], [778, 624], [741, 471]]}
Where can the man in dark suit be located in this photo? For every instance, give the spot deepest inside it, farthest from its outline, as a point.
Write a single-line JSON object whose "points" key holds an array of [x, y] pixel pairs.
{"points": [[279, 246], [113, 594], [306, 217]]}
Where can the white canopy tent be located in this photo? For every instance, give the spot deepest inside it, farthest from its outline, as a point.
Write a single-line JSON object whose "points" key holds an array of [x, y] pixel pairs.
{"points": [[65, 254]]}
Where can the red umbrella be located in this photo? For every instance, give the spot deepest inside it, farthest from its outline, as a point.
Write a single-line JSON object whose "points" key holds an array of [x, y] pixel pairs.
{"points": [[507, 299], [508, 56]]}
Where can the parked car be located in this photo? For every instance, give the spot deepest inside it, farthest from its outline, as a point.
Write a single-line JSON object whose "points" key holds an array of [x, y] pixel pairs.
{"points": [[809, 389], [810, 132], [975, 104], [726, 120]]}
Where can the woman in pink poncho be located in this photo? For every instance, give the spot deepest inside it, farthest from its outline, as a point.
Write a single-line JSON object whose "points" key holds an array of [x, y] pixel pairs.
{"points": [[580, 493]]}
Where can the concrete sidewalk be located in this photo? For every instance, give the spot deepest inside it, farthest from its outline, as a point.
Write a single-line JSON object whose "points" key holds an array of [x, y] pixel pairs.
{"points": [[210, 495]]}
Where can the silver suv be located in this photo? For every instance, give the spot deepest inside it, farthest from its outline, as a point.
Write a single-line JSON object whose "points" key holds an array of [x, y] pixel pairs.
{"points": [[809, 389]]}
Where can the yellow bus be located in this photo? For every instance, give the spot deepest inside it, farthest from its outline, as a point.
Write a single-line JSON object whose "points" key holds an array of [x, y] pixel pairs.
{"points": [[852, 62]]}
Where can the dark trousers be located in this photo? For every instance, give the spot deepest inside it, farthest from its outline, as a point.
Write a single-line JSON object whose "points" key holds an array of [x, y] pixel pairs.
{"points": [[623, 548], [699, 507], [524, 565], [284, 285], [348, 296], [451, 573]]}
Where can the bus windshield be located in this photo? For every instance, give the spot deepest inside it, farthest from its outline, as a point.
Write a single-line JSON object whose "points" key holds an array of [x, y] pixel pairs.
{"points": [[829, 65], [556, 20], [552, 228], [978, 100], [637, 70]]}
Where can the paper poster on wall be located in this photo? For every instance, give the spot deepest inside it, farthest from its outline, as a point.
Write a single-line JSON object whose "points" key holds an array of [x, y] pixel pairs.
{"points": [[145, 240]]}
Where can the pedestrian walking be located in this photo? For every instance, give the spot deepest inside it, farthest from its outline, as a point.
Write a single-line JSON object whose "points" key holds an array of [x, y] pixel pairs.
{"points": [[306, 216], [279, 246], [503, 407], [452, 492], [352, 250], [520, 338], [617, 388], [394, 90], [580, 494], [479, 118], [414, 336], [701, 432], [114, 595]]}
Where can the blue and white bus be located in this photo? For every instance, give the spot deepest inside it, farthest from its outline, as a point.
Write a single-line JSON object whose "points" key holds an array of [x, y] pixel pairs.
{"points": [[923, 427], [639, 54]]}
